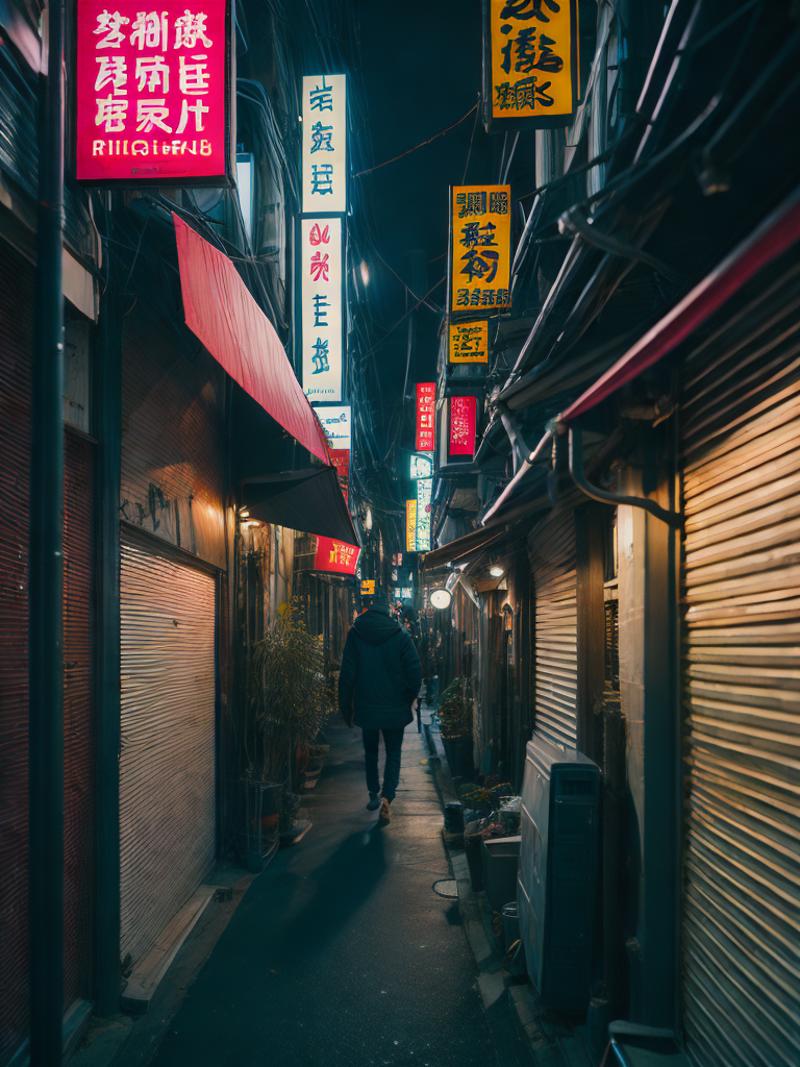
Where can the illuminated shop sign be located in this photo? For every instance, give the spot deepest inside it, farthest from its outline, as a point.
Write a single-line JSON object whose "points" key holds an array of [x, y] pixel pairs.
{"points": [[530, 62], [420, 466], [325, 144], [411, 526], [321, 293], [335, 557], [426, 416], [336, 424], [422, 536], [469, 342], [480, 247], [463, 413], [340, 458], [152, 92]]}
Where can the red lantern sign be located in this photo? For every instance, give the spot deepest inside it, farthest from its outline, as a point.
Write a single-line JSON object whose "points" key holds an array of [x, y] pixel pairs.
{"points": [[463, 416], [426, 417], [335, 557], [340, 458], [153, 92]]}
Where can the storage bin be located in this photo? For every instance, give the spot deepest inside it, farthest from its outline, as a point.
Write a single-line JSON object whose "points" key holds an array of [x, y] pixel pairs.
{"points": [[500, 861]]}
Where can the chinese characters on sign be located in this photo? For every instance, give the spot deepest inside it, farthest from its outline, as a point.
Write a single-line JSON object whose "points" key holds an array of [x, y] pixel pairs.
{"points": [[422, 533], [420, 466], [463, 411], [533, 68], [480, 247], [336, 424], [335, 557], [321, 311], [152, 91], [368, 587], [340, 458], [426, 416], [325, 144], [411, 526], [469, 342]]}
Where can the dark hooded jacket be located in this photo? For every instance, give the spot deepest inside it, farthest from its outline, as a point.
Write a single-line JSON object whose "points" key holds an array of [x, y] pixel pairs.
{"points": [[381, 673]]}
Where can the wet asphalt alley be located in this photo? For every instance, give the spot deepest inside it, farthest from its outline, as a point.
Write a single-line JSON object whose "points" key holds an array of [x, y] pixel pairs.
{"points": [[341, 952]]}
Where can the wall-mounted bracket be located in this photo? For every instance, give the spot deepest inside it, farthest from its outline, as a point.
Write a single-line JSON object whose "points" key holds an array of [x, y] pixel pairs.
{"points": [[594, 492]]}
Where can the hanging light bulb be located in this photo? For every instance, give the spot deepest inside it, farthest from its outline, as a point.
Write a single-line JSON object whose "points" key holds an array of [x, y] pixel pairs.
{"points": [[496, 570]]}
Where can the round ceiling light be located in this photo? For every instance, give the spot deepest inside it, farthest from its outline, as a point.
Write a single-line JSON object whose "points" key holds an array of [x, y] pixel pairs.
{"points": [[440, 598], [496, 570]]}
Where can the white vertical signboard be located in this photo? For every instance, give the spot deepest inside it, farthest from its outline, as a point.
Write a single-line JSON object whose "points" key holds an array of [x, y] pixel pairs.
{"points": [[322, 332], [336, 423], [325, 144]]}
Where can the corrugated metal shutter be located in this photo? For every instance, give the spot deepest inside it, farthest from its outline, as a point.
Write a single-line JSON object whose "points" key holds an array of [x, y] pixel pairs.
{"points": [[16, 318], [741, 486], [78, 714], [167, 762], [555, 591]]}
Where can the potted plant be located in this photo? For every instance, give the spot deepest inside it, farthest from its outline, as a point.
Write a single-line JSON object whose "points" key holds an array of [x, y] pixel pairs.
{"points": [[288, 699], [455, 721]]}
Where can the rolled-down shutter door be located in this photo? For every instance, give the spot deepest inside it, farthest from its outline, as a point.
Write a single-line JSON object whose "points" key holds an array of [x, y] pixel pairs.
{"points": [[167, 761], [78, 715], [555, 590], [741, 485]]}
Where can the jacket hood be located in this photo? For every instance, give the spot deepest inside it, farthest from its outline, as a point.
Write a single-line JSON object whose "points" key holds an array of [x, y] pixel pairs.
{"points": [[376, 627]]}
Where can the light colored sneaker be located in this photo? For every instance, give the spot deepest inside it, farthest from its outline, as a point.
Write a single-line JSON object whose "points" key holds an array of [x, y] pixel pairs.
{"points": [[385, 814], [374, 802]]}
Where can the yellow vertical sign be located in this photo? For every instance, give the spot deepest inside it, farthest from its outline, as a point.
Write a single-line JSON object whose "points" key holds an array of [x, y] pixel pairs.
{"points": [[469, 342], [411, 526], [480, 247], [533, 46]]}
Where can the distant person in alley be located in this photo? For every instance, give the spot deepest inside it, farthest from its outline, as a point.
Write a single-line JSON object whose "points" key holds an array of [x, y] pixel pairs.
{"points": [[379, 681]]}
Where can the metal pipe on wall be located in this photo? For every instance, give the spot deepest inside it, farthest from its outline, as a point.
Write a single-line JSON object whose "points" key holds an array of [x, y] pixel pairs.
{"points": [[46, 715], [108, 397]]}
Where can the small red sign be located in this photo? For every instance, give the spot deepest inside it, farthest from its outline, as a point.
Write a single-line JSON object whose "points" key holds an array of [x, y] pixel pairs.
{"points": [[463, 415], [340, 458], [426, 417], [152, 91], [335, 557]]}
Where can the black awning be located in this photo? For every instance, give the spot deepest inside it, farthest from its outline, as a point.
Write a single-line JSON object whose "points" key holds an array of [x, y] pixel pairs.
{"points": [[309, 500]]}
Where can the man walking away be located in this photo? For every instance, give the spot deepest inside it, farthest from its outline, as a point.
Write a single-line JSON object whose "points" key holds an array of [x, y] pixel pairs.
{"points": [[379, 681]]}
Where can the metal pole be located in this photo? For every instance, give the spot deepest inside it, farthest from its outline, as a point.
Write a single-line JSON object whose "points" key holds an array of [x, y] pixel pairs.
{"points": [[108, 393], [46, 741]]}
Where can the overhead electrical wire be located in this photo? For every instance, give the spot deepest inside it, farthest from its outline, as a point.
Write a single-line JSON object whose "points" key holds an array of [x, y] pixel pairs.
{"points": [[416, 147]]}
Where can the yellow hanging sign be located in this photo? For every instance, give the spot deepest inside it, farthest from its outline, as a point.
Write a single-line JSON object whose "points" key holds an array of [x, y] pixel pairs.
{"points": [[411, 526], [532, 66], [368, 587], [469, 342], [480, 247]]}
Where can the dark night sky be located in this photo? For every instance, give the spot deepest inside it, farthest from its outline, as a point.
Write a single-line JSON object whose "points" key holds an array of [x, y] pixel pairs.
{"points": [[419, 71]]}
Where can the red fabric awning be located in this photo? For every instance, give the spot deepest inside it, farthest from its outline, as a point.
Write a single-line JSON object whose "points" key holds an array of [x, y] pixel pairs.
{"points": [[220, 311], [773, 237]]}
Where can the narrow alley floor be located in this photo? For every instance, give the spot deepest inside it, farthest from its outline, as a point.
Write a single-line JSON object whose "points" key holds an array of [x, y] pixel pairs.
{"points": [[341, 952]]}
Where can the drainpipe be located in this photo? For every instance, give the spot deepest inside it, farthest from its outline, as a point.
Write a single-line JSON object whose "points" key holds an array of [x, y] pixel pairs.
{"points": [[108, 394], [45, 719]]}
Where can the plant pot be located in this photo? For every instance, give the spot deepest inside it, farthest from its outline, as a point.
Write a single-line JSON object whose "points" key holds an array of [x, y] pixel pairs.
{"points": [[301, 758], [258, 838], [459, 756]]}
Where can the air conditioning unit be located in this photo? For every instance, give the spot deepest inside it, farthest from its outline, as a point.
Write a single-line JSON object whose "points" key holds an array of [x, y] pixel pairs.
{"points": [[558, 882]]}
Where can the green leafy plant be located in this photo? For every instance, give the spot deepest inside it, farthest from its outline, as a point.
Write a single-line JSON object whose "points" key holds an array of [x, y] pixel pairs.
{"points": [[288, 696], [455, 710]]}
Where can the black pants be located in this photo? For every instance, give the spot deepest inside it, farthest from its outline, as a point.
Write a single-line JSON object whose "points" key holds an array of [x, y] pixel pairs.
{"points": [[393, 742]]}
